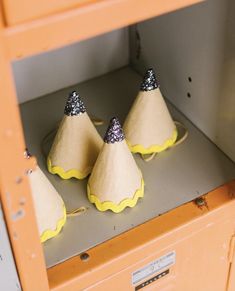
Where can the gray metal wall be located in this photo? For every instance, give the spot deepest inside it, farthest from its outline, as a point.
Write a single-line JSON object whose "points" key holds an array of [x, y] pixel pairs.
{"points": [[48, 72], [226, 115], [196, 42]]}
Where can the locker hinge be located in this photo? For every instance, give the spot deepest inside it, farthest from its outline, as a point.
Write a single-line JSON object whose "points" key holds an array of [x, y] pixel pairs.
{"points": [[231, 249]]}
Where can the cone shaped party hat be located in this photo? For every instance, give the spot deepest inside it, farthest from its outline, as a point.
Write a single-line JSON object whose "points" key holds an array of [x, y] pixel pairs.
{"points": [[149, 127], [49, 206], [115, 181], [77, 142]]}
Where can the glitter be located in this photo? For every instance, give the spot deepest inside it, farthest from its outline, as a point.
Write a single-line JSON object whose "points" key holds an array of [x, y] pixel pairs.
{"points": [[114, 132], [74, 105], [150, 81]]}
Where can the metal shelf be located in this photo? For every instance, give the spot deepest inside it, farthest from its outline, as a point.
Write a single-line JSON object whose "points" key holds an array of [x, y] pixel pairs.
{"points": [[173, 178], [55, 26]]}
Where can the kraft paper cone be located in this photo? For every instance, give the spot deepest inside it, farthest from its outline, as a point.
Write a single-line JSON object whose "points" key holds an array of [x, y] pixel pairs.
{"points": [[77, 142], [49, 206], [115, 181], [149, 127]]}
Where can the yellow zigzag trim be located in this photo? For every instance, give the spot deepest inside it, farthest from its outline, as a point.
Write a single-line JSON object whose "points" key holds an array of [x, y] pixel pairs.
{"points": [[73, 173], [154, 148], [109, 205], [47, 234]]}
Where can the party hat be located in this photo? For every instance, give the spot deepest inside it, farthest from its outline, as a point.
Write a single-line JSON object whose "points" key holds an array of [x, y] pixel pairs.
{"points": [[77, 142], [149, 127], [115, 181], [49, 206]]}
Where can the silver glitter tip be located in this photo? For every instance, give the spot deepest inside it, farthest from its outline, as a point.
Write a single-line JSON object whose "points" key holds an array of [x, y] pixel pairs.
{"points": [[150, 81], [74, 105], [114, 132]]}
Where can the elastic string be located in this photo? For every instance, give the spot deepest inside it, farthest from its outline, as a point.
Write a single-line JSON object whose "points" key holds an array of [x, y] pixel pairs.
{"points": [[148, 158], [77, 211], [183, 138]]}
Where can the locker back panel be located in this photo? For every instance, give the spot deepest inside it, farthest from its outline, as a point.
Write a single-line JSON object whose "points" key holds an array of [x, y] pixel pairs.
{"points": [[193, 53]]}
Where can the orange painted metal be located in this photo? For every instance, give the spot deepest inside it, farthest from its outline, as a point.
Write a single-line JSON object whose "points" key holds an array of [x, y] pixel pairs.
{"points": [[19, 11], [200, 236], [78, 24], [15, 195], [231, 277]]}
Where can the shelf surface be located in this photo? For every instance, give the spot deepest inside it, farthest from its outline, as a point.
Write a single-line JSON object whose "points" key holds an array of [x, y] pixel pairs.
{"points": [[173, 178]]}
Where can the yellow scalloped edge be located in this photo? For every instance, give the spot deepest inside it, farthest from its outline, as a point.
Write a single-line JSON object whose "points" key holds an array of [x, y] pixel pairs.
{"points": [[154, 148], [73, 173], [47, 234], [109, 205]]}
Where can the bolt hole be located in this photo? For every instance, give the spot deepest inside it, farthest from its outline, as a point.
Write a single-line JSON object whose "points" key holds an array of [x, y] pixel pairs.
{"points": [[188, 95], [84, 257], [19, 180], [200, 201], [29, 171], [22, 201], [189, 79], [15, 235]]}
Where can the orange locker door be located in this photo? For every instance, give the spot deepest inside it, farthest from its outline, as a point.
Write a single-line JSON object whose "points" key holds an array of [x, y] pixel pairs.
{"points": [[231, 279], [184, 261], [19, 11]]}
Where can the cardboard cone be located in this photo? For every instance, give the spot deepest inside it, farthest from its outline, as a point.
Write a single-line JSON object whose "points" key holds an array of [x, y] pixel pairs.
{"points": [[49, 206], [77, 142], [149, 127], [115, 181]]}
